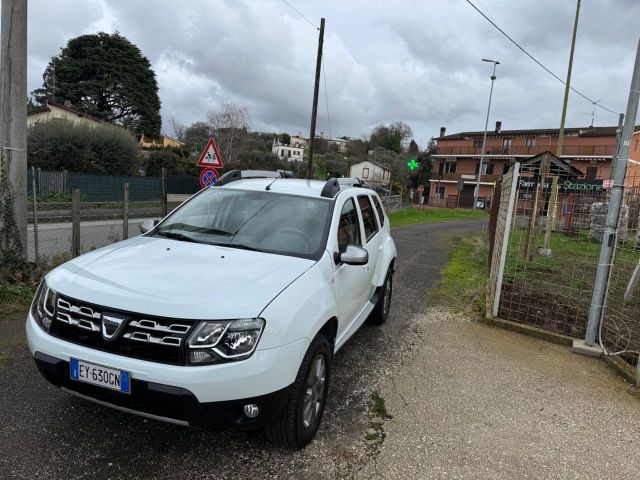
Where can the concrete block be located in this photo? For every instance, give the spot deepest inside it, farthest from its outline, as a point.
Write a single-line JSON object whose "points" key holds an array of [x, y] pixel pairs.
{"points": [[544, 252], [582, 348]]}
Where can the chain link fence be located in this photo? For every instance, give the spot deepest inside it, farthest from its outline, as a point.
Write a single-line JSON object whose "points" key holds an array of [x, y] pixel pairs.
{"points": [[552, 254], [74, 213]]}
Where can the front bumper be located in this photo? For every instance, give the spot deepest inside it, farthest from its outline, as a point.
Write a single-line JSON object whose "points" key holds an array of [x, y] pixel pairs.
{"points": [[195, 395], [165, 402]]}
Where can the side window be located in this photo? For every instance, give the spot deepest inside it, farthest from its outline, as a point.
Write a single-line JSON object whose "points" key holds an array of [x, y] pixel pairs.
{"points": [[368, 217], [376, 201], [349, 227]]}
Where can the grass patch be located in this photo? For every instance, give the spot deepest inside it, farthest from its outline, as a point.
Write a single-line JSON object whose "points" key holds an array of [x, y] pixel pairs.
{"points": [[411, 216], [378, 407], [6, 357], [17, 289], [465, 276], [15, 297]]}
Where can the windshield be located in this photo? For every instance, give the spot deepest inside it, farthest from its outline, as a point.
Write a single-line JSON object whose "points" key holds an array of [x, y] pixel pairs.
{"points": [[252, 220]]}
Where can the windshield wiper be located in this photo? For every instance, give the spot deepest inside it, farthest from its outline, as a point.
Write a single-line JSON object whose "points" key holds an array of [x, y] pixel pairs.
{"points": [[177, 236], [240, 246], [214, 231]]}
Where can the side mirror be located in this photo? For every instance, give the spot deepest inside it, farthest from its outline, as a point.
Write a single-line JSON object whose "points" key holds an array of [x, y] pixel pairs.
{"points": [[354, 256], [148, 225]]}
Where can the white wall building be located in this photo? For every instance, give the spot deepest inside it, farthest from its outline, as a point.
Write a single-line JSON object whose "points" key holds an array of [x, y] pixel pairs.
{"points": [[370, 171], [300, 141], [287, 152]]}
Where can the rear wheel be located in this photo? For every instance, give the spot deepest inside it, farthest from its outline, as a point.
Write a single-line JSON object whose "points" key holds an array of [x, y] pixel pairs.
{"points": [[300, 419], [381, 310]]}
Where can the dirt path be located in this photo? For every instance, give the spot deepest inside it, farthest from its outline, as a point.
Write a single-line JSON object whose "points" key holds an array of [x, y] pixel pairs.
{"points": [[472, 401]]}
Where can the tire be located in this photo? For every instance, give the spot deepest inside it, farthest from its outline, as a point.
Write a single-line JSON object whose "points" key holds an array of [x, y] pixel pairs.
{"points": [[296, 426], [380, 312]]}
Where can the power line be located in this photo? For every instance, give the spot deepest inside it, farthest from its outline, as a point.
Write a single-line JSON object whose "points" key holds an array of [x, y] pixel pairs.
{"points": [[298, 12], [536, 60], [326, 97]]}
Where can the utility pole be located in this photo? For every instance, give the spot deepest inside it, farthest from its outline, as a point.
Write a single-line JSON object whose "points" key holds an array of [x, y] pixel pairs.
{"points": [[314, 110], [476, 192], [13, 111], [610, 234], [544, 167]]}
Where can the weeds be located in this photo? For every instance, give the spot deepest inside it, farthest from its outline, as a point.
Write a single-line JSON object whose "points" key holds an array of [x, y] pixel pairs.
{"points": [[465, 276], [378, 407]]}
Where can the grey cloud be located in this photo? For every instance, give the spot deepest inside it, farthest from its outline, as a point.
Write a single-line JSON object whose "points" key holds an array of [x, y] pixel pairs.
{"points": [[397, 60]]}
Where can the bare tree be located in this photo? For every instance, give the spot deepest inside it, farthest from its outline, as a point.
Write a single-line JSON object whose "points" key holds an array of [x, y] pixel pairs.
{"points": [[229, 124], [178, 128]]}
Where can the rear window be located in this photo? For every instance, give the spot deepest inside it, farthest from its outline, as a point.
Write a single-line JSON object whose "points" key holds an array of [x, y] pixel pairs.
{"points": [[378, 205], [368, 217]]}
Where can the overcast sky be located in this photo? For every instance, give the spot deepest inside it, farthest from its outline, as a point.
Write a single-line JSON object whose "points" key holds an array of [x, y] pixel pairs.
{"points": [[410, 60]]}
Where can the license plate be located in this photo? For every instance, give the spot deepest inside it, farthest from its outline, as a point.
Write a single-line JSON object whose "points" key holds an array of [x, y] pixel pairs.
{"points": [[99, 375]]}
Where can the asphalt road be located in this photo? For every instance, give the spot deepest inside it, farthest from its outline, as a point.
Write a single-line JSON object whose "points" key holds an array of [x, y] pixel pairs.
{"points": [[54, 238], [45, 433]]}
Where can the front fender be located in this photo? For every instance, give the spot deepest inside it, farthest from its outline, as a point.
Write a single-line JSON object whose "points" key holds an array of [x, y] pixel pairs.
{"points": [[301, 309]]}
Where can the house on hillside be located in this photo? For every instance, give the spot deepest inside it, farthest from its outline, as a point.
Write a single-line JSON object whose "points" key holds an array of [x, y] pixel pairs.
{"points": [[53, 110], [372, 172], [586, 155], [300, 141], [290, 152], [163, 141]]}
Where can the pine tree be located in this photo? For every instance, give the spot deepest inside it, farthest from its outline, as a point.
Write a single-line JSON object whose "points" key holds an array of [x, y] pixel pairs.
{"points": [[106, 76]]}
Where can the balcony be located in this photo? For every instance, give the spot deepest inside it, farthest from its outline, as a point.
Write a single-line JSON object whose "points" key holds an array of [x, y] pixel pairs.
{"points": [[468, 177], [573, 150]]}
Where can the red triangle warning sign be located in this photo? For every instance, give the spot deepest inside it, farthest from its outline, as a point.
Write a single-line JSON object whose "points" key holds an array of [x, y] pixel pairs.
{"points": [[210, 156]]}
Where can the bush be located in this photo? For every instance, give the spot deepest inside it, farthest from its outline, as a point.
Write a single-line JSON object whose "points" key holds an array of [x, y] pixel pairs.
{"points": [[65, 145], [172, 161]]}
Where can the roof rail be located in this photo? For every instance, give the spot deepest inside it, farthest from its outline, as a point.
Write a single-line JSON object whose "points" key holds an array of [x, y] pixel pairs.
{"points": [[235, 175], [332, 187]]}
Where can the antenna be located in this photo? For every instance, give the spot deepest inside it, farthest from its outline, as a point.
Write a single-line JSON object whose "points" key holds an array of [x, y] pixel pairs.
{"points": [[593, 112]]}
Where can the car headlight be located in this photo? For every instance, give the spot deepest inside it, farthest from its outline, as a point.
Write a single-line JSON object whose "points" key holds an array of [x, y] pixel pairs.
{"points": [[43, 307], [224, 341]]}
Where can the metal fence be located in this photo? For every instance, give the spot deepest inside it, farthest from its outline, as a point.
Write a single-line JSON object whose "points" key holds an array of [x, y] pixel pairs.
{"points": [[73, 213], [552, 245]]}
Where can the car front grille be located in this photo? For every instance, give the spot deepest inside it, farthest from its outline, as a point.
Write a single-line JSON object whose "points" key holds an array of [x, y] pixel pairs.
{"points": [[141, 336]]}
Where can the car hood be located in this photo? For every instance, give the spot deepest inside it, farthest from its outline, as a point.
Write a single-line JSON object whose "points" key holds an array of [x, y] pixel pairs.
{"points": [[171, 278]]}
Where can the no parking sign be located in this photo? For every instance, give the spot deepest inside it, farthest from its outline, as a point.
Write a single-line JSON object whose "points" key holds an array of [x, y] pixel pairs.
{"points": [[208, 177]]}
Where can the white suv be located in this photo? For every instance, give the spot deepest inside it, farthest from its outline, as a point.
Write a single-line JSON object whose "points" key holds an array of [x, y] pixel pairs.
{"points": [[228, 312]]}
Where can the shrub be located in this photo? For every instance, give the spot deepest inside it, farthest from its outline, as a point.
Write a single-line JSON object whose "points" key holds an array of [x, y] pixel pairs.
{"points": [[172, 161], [60, 144]]}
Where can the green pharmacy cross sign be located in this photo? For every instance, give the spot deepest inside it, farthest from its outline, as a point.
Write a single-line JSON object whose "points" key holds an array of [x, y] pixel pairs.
{"points": [[412, 164]]}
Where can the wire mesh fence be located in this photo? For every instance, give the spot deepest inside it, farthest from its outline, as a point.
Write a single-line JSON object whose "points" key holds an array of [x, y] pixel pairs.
{"points": [[620, 327], [553, 252], [107, 209]]}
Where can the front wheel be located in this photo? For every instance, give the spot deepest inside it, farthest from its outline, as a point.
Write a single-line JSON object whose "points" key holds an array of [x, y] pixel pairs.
{"points": [[380, 312], [300, 419]]}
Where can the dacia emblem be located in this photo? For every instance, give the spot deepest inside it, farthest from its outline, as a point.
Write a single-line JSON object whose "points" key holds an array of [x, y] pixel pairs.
{"points": [[112, 325]]}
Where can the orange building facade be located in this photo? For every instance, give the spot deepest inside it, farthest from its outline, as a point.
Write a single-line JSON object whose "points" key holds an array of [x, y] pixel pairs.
{"points": [[455, 164]]}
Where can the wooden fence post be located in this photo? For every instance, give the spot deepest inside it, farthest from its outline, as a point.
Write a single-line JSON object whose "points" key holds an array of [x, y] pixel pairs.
{"points": [[164, 192], [35, 213], [125, 212], [75, 223]]}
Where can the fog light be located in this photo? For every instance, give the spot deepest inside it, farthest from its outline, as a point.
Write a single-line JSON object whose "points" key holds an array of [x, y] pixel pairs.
{"points": [[251, 410]]}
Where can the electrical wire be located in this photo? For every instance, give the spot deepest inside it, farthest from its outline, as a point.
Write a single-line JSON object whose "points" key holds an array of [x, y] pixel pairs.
{"points": [[298, 12], [535, 59]]}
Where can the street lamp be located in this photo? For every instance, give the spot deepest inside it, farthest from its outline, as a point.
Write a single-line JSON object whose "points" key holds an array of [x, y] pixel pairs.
{"points": [[484, 138]]}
